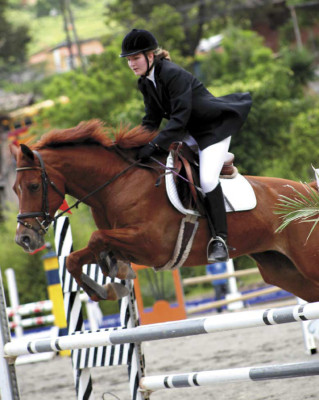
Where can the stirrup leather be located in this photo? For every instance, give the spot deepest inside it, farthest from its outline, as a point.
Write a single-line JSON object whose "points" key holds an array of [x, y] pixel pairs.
{"points": [[210, 257]]}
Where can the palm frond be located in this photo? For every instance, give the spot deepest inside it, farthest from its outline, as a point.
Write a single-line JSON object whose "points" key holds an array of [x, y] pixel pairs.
{"points": [[301, 207]]}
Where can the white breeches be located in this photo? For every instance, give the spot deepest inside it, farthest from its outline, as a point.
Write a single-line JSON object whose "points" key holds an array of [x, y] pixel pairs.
{"points": [[211, 161]]}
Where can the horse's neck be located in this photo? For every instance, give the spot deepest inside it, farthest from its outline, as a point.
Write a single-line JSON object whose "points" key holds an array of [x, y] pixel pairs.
{"points": [[86, 168]]}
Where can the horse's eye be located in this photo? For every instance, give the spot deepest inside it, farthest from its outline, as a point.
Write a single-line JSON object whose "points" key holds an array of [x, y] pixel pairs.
{"points": [[34, 187]]}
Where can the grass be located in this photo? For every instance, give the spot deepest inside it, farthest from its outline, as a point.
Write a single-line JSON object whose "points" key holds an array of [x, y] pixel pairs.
{"points": [[48, 31]]}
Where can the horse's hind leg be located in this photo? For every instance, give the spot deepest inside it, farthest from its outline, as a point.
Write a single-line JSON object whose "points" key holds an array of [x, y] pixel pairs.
{"points": [[277, 269]]}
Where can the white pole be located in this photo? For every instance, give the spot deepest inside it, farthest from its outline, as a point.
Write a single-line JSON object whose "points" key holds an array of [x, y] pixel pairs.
{"points": [[233, 290], [207, 378], [91, 310], [167, 330], [14, 300], [8, 380], [309, 339]]}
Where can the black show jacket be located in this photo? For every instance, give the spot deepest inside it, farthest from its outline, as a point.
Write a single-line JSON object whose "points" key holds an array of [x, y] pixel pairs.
{"points": [[189, 107]]}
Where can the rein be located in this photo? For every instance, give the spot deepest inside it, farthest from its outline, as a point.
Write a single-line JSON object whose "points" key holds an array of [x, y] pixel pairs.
{"points": [[76, 204], [44, 213], [172, 170]]}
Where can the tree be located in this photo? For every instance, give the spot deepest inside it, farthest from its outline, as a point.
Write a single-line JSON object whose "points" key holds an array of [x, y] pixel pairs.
{"points": [[13, 41], [191, 19], [245, 64], [44, 7], [102, 92]]}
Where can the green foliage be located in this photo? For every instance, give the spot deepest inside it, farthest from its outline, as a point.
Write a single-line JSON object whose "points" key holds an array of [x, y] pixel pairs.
{"points": [[82, 224], [242, 57], [301, 207], [175, 25], [47, 31], [13, 41], [302, 146], [44, 7], [166, 25], [245, 64], [301, 62], [101, 93]]}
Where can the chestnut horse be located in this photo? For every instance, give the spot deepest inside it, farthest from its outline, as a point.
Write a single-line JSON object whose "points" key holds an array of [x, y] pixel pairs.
{"points": [[135, 219]]}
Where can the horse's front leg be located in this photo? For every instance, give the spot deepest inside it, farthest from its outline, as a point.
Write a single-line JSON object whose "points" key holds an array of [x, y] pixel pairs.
{"points": [[113, 267], [111, 291], [122, 243]]}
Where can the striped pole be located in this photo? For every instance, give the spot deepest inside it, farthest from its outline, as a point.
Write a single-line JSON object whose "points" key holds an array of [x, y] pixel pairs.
{"points": [[14, 300], [34, 321], [208, 378], [86, 357], [30, 308], [216, 323], [72, 304], [8, 379]]}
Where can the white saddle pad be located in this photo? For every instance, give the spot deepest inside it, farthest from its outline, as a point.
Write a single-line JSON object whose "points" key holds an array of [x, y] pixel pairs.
{"points": [[238, 192]]}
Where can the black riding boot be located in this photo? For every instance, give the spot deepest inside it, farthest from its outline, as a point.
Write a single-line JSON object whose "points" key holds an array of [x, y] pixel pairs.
{"points": [[216, 213]]}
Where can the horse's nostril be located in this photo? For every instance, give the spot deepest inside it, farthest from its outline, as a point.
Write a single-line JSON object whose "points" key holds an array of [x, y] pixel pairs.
{"points": [[26, 240]]}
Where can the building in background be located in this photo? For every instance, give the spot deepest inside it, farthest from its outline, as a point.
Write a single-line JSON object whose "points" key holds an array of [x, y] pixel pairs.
{"points": [[57, 59]]}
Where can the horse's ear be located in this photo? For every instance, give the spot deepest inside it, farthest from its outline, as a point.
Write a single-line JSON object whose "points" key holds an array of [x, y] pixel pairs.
{"points": [[27, 151], [14, 148]]}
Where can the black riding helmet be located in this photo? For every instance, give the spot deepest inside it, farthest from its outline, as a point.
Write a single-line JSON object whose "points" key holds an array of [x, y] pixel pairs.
{"points": [[138, 41]]}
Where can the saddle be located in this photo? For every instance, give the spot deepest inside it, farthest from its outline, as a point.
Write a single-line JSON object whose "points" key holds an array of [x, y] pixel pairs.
{"points": [[186, 164]]}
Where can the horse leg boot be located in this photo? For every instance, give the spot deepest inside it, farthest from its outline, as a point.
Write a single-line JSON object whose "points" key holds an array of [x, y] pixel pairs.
{"points": [[113, 267], [97, 292], [216, 214]]}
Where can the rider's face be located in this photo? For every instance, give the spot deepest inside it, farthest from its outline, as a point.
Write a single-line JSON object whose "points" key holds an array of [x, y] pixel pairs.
{"points": [[138, 63]]}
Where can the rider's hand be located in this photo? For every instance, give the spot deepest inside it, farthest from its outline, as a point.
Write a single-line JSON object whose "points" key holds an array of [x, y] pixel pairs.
{"points": [[146, 151]]}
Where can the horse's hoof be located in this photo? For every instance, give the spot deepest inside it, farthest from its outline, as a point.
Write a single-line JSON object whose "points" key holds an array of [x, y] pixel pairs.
{"points": [[125, 270], [116, 291], [108, 264], [93, 289]]}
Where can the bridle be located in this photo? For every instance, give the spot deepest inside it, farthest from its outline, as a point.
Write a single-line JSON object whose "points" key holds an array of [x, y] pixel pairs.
{"points": [[44, 213]]}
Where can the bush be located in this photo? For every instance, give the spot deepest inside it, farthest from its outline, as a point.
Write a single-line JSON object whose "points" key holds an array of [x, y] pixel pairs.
{"points": [[301, 62]]}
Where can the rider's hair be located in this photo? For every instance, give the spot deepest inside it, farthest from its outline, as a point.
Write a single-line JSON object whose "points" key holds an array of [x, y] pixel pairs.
{"points": [[161, 53]]}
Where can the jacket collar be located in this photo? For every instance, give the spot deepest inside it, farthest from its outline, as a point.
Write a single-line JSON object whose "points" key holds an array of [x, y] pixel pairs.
{"points": [[151, 76]]}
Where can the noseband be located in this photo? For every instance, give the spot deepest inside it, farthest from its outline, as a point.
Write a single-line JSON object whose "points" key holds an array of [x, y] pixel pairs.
{"points": [[44, 213]]}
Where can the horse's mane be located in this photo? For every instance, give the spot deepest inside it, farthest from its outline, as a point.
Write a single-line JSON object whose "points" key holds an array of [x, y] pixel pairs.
{"points": [[95, 132]]}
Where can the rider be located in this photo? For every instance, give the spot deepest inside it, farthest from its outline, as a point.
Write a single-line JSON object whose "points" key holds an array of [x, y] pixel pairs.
{"points": [[173, 93]]}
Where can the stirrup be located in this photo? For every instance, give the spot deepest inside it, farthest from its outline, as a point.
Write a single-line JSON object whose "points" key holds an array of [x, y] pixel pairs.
{"points": [[210, 257]]}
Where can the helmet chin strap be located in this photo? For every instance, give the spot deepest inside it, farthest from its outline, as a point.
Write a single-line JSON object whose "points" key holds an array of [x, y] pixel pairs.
{"points": [[149, 67]]}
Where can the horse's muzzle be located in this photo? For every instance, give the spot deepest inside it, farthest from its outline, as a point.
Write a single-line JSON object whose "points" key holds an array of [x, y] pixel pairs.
{"points": [[29, 239]]}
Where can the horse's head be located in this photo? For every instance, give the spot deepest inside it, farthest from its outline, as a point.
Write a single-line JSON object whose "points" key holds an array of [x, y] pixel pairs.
{"points": [[39, 197]]}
